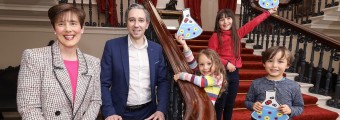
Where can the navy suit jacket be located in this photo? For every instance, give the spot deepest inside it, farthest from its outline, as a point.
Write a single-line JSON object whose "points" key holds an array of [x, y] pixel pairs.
{"points": [[115, 74]]}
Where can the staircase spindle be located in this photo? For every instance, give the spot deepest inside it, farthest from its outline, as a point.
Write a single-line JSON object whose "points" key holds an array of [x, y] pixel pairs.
{"points": [[278, 34], [335, 101], [316, 88], [313, 8], [296, 14], [311, 64], [301, 13], [326, 4], [287, 12], [268, 28], [291, 9], [291, 34], [329, 72], [98, 13], [284, 36], [82, 4], [106, 12], [302, 59], [90, 23], [319, 8], [273, 33], [263, 31], [74, 3], [121, 14], [296, 55], [252, 33], [257, 31]]}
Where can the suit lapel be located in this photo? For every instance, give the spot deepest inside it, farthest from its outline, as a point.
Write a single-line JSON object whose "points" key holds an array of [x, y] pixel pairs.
{"points": [[125, 59], [152, 61], [84, 77], [61, 72]]}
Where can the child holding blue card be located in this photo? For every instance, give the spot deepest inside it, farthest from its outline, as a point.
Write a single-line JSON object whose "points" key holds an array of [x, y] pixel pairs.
{"points": [[275, 90]]}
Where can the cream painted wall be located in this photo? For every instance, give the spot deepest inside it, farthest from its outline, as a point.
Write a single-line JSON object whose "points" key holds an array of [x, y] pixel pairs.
{"points": [[15, 39]]}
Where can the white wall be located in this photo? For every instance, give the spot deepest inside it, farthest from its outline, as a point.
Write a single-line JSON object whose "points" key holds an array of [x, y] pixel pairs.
{"points": [[15, 39]]}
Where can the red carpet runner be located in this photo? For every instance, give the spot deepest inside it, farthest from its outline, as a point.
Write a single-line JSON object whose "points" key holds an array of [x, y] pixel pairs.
{"points": [[252, 69]]}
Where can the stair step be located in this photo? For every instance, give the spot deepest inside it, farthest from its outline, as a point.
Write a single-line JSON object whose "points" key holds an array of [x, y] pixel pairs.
{"points": [[240, 98], [249, 57], [246, 74], [311, 112], [252, 65], [203, 37], [198, 42], [244, 86]]}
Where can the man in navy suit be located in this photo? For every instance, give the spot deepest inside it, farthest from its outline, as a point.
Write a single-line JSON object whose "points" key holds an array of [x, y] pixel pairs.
{"points": [[133, 73]]}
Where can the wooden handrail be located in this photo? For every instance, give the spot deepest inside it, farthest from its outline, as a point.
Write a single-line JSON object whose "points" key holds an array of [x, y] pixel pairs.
{"points": [[322, 38], [197, 103]]}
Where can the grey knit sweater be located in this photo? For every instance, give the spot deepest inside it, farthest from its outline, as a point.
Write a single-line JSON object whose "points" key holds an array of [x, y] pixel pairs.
{"points": [[287, 92]]}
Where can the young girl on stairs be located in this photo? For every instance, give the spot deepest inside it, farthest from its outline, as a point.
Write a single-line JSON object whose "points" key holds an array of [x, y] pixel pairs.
{"points": [[226, 42], [288, 95], [209, 69]]}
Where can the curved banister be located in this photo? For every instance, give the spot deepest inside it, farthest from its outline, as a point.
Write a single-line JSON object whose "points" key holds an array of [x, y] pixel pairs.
{"points": [[197, 103], [324, 39]]}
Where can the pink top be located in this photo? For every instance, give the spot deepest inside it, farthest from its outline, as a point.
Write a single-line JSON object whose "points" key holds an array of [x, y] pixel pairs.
{"points": [[72, 69]]}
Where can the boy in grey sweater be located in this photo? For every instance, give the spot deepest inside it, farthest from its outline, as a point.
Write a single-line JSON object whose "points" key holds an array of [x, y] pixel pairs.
{"points": [[288, 95]]}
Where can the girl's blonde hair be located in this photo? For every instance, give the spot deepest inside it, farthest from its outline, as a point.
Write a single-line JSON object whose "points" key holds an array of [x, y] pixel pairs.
{"points": [[219, 67]]}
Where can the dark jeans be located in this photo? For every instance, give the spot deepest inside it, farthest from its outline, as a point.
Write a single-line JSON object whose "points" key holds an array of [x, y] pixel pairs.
{"points": [[227, 99]]}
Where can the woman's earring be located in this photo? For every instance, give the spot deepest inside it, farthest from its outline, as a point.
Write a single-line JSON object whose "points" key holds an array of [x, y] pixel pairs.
{"points": [[55, 33]]}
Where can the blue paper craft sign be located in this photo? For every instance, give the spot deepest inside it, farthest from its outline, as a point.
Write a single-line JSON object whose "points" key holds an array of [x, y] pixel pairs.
{"points": [[189, 29], [269, 113], [268, 4], [269, 110]]}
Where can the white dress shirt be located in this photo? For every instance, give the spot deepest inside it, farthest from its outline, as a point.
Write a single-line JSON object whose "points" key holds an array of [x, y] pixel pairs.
{"points": [[139, 87]]}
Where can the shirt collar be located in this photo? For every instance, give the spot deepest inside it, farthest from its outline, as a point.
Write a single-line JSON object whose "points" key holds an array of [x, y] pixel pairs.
{"points": [[130, 43]]}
